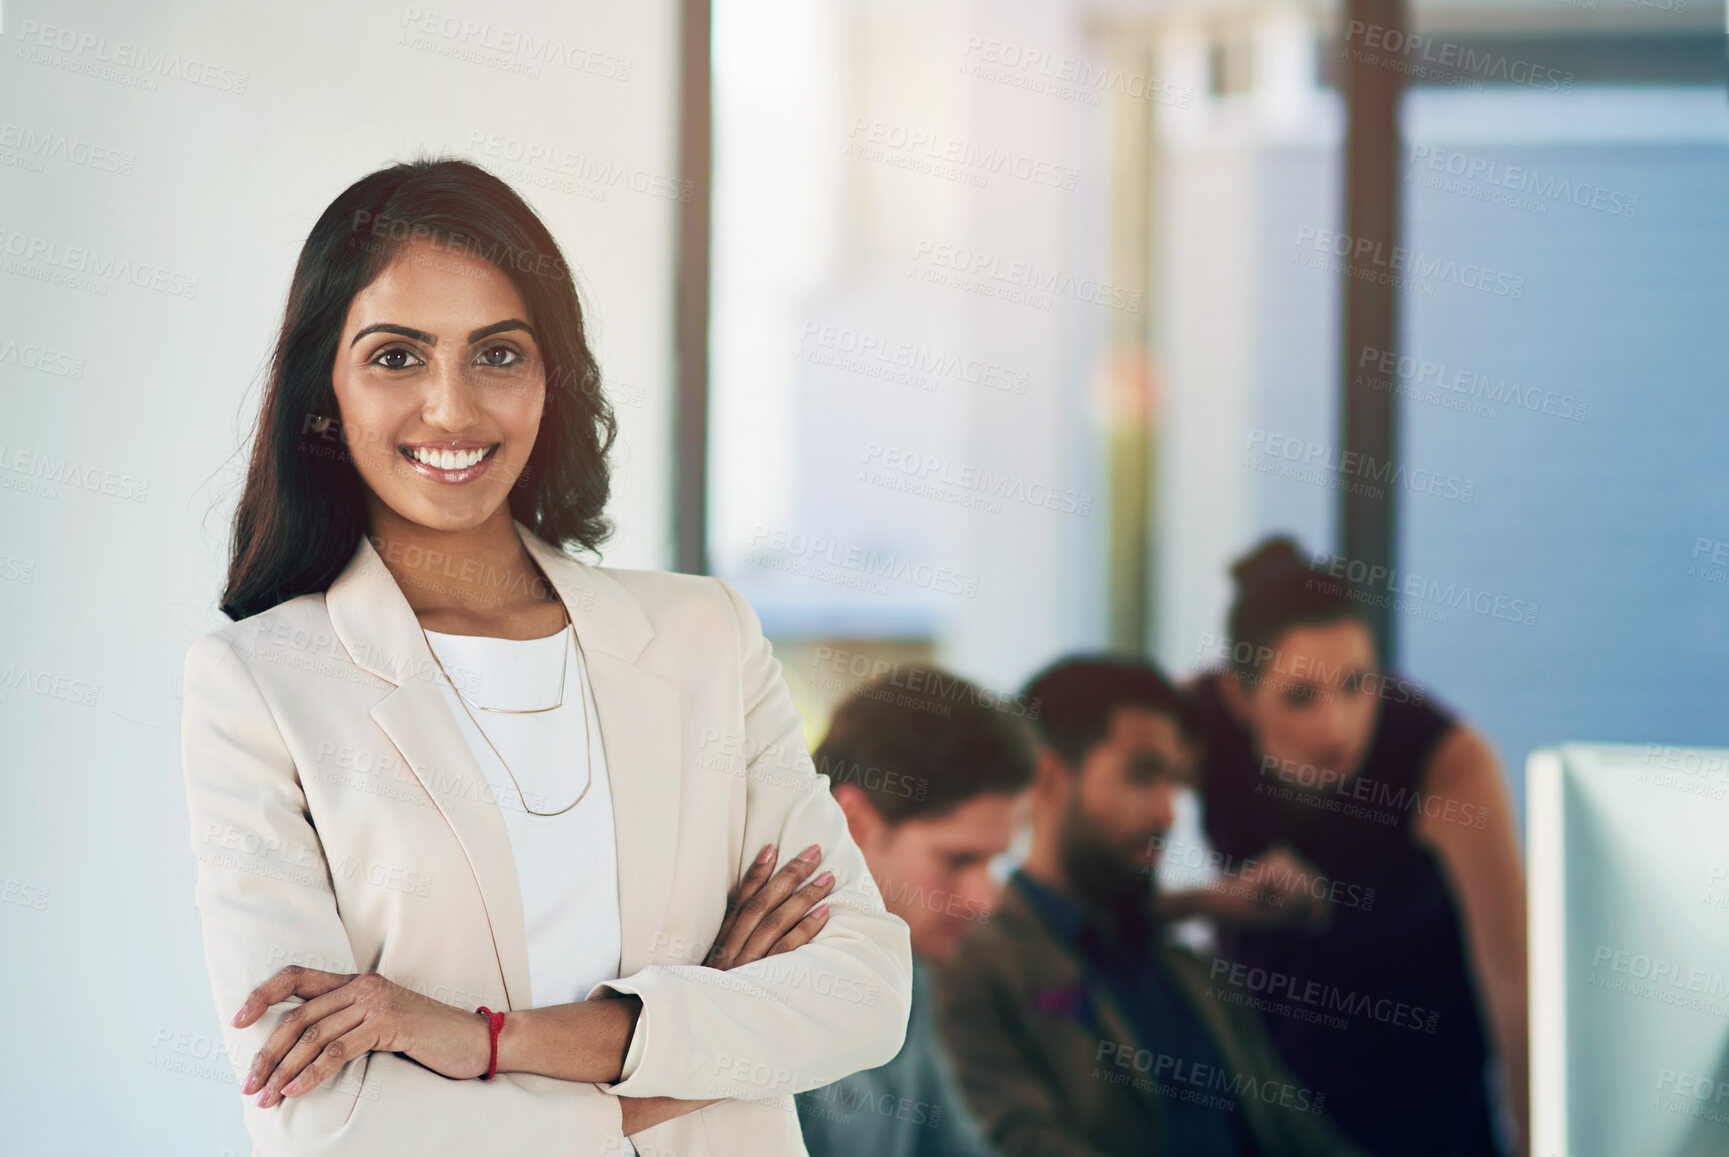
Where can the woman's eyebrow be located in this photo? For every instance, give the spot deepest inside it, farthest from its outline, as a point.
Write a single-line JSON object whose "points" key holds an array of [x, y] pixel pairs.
{"points": [[421, 335], [405, 331], [499, 327]]}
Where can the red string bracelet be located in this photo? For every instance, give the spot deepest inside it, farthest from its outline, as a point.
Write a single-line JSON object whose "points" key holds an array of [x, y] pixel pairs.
{"points": [[494, 1022]]}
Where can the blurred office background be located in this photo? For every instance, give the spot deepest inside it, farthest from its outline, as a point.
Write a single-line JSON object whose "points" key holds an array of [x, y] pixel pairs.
{"points": [[1564, 168], [1015, 321]]}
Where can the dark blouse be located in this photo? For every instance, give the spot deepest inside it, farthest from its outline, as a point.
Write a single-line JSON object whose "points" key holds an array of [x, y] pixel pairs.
{"points": [[1377, 1010]]}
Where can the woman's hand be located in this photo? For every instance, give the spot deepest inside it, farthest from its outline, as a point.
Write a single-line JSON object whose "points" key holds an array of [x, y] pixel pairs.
{"points": [[346, 1015], [1280, 892], [768, 913], [1275, 895]]}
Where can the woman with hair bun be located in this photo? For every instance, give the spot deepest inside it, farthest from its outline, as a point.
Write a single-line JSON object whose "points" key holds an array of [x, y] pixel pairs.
{"points": [[1387, 946]]}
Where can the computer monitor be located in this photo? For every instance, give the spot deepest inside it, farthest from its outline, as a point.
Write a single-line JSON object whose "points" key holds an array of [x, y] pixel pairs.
{"points": [[1628, 870]]}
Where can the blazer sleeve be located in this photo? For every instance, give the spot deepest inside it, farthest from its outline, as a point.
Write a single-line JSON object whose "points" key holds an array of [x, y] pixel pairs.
{"points": [[801, 1019], [272, 901]]}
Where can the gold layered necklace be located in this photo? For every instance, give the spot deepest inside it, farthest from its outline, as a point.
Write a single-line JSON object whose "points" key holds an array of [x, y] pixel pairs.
{"points": [[588, 741]]}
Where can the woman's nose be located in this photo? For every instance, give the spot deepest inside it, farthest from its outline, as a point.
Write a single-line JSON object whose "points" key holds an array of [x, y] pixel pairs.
{"points": [[450, 402]]}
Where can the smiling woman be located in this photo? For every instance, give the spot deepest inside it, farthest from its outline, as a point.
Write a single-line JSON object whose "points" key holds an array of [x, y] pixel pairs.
{"points": [[382, 323], [494, 952]]}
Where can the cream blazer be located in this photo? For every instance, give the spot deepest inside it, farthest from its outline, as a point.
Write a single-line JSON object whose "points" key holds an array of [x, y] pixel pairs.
{"points": [[340, 822]]}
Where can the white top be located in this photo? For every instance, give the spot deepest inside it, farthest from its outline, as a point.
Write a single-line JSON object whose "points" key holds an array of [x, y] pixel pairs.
{"points": [[566, 865]]}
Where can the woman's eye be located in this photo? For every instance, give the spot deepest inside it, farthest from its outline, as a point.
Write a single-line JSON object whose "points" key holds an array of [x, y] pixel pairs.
{"points": [[396, 358], [499, 356]]}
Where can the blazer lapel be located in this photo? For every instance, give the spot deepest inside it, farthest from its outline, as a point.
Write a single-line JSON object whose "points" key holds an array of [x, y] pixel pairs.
{"points": [[1063, 983], [1064, 989], [639, 721]]}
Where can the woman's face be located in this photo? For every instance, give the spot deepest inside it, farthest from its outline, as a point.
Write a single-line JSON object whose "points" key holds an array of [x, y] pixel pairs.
{"points": [[440, 385], [1316, 700]]}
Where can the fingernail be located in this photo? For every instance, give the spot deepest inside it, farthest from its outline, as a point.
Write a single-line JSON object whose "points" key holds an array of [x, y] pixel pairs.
{"points": [[765, 855], [824, 880], [821, 912], [292, 1087], [246, 1085], [811, 853], [262, 1097], [235, 1021]]}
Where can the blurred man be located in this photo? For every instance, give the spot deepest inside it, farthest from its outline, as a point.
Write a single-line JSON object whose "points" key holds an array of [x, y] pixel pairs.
{"points": [[931, 771], [1075, 1026]]}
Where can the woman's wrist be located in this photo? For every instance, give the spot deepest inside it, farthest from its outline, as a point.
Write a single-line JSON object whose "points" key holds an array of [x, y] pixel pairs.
{"points": [[481, 1049], [611, 1039], [514, 1055], [584, 1041]]}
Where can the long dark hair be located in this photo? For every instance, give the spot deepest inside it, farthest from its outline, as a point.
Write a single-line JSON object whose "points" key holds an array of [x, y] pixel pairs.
{"points": [[1277, 589], [302, 512]]}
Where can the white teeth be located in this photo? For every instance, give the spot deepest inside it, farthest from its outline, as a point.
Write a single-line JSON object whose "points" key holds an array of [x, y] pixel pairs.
{"points": [[448, 459]]}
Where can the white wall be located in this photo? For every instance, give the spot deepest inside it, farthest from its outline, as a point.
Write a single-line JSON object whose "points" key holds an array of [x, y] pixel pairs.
{"points": [[252, 120]]}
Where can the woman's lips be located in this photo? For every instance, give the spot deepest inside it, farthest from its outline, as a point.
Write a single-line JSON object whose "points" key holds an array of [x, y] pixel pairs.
{"points": [[451, 477]]}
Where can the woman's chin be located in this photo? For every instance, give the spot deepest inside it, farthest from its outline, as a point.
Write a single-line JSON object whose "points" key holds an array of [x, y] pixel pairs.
{"points": [[448, 517]]}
